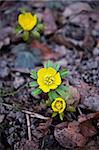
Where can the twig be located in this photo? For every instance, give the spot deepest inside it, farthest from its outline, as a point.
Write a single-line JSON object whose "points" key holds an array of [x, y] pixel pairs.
{"points": [[32, 114], [29, 129], [80, 112], [7, 105], [35, 115]]}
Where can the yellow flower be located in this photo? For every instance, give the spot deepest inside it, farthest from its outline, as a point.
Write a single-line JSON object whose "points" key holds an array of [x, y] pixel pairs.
{"points": [[59, 105], [48, 78], [27, 21]]}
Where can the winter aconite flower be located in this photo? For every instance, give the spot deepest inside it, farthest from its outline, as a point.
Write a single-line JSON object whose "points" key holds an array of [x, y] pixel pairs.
{"points": [[27, 21], [48, 78], [59, 105]]}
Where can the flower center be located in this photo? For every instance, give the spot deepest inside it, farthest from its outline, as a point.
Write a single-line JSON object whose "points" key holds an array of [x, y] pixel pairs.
{"points": [[59, 105], [48, 79]]}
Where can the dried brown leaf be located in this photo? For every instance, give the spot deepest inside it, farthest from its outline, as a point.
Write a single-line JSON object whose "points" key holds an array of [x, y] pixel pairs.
{"points": [[49, 22], [76, 133], [47, 52]]}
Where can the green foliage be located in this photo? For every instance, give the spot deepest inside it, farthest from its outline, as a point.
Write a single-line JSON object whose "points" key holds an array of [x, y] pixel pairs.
{"points": [[48, 64], [23, 9], [64, 88], [64, 73], [33, 84], [36, 92], [54, 114], [48, 102], [61, 115], [52, 95], [25, 35], [61, 92], [36, 34], [40, 27], [56, 67], [18, 29], [70, 109], [33, 74]]}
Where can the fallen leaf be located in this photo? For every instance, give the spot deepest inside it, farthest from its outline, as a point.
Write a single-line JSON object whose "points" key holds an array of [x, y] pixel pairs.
{"points": [[44, 127], [49, 22], [29, 145], [81, 86], [87, 129], [67, 42], [76, 133], [76, 8], [91, 116], [89, 41], [70, 136], [73, 91], [46, 52], [89, 95], [91, 101], [7, 4]]}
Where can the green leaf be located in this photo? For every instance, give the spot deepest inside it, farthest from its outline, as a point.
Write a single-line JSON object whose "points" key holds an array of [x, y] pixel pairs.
{"points": [[36, 91], [61, 92], [48, 103], [61, 115], [18, 29], [25, 35], [48, 64], [33, 84], [23, 9], [52, 95], [64, 73], [54, 114], [40, 27], [36, 34], [63, 87], [57, 66], [33, 74], [71, 109]]}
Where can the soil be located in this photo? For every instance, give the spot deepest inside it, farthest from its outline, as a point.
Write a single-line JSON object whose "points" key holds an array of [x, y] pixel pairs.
{"points": [[81, 59]]}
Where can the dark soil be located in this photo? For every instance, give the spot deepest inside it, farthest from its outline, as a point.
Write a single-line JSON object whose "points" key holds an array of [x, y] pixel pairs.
{"points": [[16, 95]]}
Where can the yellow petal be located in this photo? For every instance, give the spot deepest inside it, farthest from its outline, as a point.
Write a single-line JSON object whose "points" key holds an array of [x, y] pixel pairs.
{"points": [[57, 79], [42, 72], [51, 71], [44, 88], [27, 21], [53, 106], [32, 22], [40, 80], [53, 86], [63, 104]]}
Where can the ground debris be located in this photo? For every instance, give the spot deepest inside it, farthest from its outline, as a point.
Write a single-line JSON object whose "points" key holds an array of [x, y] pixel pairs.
{"points": [[1, 118], [76, 133], [49, 22], [29, 145]]}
